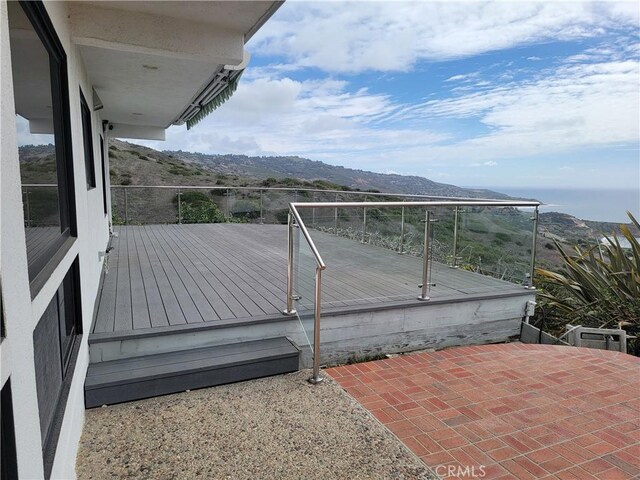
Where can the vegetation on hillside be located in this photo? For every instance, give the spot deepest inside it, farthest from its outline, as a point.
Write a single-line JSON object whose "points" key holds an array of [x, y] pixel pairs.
{"points": [[597, 286]]}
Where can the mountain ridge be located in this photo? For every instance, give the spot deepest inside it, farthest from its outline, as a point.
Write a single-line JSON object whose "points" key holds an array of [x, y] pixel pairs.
{"points": [[305, 169]]}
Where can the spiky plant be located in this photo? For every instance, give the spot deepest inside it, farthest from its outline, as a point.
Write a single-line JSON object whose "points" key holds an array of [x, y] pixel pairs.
{"points": [[598, 287]]}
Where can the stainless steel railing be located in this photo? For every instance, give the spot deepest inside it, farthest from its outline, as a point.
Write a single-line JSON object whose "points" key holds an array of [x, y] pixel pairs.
{"points": [[295, 221]]}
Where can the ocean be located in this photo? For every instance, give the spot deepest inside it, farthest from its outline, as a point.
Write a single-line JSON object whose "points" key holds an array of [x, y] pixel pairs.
{"points": [[603, 205]]}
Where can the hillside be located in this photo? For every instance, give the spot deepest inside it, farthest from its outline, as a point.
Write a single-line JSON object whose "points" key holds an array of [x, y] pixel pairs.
{"points": [[310, 170]]}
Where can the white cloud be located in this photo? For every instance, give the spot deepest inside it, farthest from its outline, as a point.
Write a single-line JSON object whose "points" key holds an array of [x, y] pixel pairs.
{"points": [[319, 119], [574, 106], [393, 36]]}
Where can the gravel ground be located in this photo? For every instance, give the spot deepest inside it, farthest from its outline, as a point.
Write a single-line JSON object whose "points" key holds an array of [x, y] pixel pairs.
{"points": [[278, 427]]}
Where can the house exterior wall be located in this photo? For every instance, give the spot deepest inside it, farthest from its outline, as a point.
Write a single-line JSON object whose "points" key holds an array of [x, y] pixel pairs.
{"points": [[21, 312]]}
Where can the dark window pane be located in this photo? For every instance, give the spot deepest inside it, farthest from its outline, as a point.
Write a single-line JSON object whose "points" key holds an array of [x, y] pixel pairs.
{"points": [[104, 177], [9, 466], [48, 365]]}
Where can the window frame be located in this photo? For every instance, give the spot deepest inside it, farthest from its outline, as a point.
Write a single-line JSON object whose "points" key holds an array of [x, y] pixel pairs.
{"points": [[87, 142], [41, 269], [104, 177]]}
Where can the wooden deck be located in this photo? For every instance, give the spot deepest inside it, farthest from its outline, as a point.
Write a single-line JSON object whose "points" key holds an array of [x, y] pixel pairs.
{"points": [[164, 275]]}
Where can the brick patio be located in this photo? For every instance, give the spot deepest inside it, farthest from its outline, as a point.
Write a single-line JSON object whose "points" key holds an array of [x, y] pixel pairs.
{"points": [[520, 411]]}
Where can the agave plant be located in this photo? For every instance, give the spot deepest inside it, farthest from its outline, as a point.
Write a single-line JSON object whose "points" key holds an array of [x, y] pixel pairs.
{"points": [[599, 286]]}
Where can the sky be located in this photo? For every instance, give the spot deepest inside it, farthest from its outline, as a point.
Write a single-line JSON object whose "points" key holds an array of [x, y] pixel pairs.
{"points": [[500, 94]]}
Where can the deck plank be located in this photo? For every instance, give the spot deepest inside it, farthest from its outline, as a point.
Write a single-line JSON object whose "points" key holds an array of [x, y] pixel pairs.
{"points": [[157, 313], [237, 295], [199, 299], [259, 305], [187, 305], [139, 304], [123, 313], [174, 313], [220, 308]]}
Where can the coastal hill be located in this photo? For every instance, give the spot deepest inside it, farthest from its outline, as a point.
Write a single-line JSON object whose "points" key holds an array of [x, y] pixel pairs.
{"points": [[305, 169]]}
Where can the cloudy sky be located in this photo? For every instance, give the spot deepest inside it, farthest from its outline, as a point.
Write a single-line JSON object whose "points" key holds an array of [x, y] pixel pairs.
{"points": [[474, 94]]}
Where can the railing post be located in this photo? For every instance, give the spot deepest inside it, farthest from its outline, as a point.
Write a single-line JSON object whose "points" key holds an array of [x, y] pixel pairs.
{"points": [[126, 207], [261, 203], [179, 206], [26, 194], [290, 310], [454, 256], [533, 248], [228, 206], [364, 223], [313, 210], [316, 378], [424, 294], [335, 218], [401, 250]]}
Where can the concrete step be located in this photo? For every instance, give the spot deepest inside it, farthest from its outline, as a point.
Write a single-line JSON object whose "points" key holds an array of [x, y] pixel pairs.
{"points": [[135, 378]]}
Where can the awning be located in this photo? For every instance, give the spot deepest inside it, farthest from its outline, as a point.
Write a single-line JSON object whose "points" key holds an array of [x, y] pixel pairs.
{"points": [[221, 92], [220, 89]]}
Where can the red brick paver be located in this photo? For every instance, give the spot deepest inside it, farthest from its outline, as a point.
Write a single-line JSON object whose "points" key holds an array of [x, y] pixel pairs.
{"points": [[510, 410]]}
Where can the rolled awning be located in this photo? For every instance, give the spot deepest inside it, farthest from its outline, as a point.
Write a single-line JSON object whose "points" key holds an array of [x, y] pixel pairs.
{"points": [[218, 91]]}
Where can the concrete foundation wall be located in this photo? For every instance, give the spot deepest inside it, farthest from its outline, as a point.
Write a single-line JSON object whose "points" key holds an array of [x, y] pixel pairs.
{"points": [[347, 335]]}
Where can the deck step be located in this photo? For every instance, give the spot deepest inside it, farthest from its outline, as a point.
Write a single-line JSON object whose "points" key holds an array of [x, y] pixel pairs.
{"points": [[136, 378]]}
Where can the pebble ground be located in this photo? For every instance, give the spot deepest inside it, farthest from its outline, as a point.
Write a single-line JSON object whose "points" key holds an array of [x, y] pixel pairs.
{"points": [[273, 428]]}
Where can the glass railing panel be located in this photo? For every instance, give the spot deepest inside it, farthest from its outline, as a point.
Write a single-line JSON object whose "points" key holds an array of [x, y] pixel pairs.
{"points": [[244, 205], [323, 219], [144, 206], [304, 275], [496, 242], [442, 235], [275, 205], [364, 273], [218, 195]]}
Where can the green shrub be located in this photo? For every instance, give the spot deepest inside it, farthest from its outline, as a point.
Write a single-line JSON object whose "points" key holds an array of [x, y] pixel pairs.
{"points": [[197, 207], [598, 287]]}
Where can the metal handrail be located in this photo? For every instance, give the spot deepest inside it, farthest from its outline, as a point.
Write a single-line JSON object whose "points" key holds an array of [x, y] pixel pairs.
{"points": [[286, 189], [463, 203], [294, 215]]}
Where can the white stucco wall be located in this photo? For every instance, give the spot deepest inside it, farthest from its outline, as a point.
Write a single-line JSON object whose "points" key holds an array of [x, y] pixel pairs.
{"points": [[22, 314]]}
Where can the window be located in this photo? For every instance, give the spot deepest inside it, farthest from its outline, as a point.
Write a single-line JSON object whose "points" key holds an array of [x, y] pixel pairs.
{"points": [[87, 133], [104, 177], [9, 466], [55, 351], [39, 70]]}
